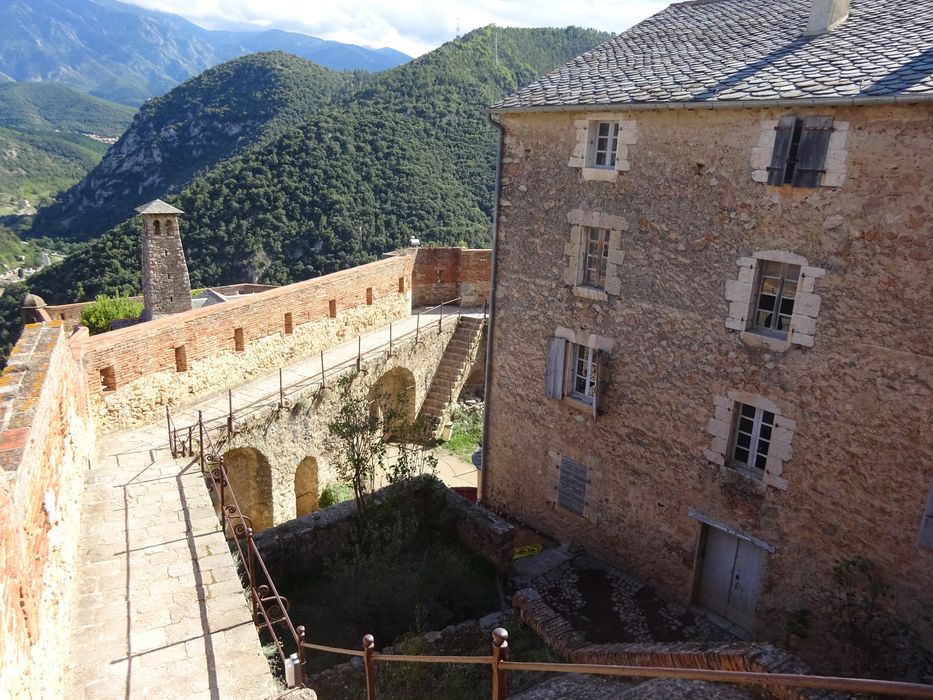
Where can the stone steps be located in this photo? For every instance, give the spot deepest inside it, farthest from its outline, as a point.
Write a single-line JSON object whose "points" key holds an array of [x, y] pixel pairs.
{"points": [[451, 370]]}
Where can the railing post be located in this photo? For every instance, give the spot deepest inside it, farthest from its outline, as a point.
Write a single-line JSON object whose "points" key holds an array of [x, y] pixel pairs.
{"points": [[390, 338], [323, 378], [500, 652], [223, 497], [460, 308], [359, 353], [300, 672], [168, 423], [417, 327], [229, 413], [201, 439], [369, 666], [281, 390], [251, 572], [440, 319]]}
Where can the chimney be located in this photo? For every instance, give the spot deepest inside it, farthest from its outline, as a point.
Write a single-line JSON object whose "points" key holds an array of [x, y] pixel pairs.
{"points": [[826, 15]]}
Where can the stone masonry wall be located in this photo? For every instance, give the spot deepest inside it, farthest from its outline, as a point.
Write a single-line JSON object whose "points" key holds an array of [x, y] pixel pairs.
{"points": [[45, 445], [286, 438], [442, 274], [857, 459], [142, 360]]}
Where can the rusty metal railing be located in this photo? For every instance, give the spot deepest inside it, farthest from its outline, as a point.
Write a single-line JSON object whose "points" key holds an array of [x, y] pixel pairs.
{"points": [[268, 607], [500, 666]]}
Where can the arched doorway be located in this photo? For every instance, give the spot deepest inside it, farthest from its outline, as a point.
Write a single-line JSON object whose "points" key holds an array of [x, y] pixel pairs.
{"points": [[250, 479], [393, 398], [306, 487]]}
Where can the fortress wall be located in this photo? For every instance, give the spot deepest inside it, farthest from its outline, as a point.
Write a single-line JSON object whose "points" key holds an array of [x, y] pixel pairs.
{"points": [[442, 274], [134, 372], [45, 444]]}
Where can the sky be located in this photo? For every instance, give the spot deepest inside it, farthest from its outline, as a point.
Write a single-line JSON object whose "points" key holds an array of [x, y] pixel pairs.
{"points": [[411, 26]]}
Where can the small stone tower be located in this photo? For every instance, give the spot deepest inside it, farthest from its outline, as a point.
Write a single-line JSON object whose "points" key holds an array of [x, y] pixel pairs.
{"points": [[166, 287]]}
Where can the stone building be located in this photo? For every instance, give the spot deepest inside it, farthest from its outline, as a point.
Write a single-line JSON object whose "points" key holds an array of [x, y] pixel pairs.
{"points": [[165, 282], [712, 345]]}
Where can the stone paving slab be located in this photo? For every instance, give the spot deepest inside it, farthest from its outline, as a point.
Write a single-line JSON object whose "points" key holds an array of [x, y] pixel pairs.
{"points": [[159, 608]]}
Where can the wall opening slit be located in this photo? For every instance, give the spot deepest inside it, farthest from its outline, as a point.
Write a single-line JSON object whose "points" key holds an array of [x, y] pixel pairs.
{"points": [[181, 359], [238, 342], [288, 324]]}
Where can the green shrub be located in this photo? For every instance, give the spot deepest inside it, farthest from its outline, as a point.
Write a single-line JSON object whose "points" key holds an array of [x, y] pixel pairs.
{"points": [[335, 493], [99, 313]]}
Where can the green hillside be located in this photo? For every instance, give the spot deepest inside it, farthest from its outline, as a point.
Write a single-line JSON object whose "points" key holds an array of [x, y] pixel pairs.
{"points": [[54, 107], [409, 152], [191, 129], [46, 142]]}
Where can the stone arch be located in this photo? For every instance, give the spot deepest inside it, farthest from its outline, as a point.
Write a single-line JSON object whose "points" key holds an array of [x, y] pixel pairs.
{"points": [[306, 487], [250, 479], [394, 393]]}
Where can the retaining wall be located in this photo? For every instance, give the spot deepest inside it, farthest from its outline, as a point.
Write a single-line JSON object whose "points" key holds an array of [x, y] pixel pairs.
{"points": [[442, 274]]}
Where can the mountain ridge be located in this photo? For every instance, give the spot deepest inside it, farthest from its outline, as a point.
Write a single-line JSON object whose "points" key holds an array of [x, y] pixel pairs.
{"points": [[127, 54]]}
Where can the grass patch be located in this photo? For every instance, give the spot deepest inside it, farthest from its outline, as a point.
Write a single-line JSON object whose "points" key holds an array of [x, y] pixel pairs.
{"points": [[467, 432]]}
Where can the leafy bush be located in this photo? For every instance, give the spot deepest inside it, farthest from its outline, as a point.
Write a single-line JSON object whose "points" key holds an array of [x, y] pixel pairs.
{"points": [[467, 432], [98, 315], [335, 493]]}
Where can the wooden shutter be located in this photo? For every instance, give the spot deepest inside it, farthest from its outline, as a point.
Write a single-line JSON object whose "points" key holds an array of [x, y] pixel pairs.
{"points": [[783, 137], [811, 153], [554, 374], [602, 378], [571, 487], [925, 538]]}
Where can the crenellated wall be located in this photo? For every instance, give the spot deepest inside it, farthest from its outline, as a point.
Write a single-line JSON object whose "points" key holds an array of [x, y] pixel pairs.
{"points": [[46, 443]]}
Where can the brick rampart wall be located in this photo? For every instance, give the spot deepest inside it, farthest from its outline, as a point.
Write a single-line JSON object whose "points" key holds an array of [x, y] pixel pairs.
{"points": [[45, 444], [145, 370], [442, 274]]}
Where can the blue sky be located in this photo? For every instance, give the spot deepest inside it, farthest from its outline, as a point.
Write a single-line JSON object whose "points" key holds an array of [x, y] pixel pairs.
{"points": [[412, 26]]}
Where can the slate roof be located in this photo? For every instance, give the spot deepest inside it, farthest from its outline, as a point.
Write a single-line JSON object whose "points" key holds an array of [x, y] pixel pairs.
{"points": [[747, 50], [157, 206]]}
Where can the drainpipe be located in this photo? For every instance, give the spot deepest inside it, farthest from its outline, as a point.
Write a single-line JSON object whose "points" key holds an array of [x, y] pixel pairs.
{"points": [[490, 328]]}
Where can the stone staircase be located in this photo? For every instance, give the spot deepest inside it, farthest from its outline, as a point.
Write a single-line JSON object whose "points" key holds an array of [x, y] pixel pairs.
{"points": [[451, 372]]}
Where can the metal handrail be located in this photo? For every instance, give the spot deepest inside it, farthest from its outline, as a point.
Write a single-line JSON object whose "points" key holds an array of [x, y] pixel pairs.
{"points": [[501, 665]]}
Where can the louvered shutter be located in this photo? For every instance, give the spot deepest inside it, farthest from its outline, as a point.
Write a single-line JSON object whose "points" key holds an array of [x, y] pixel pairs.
{"points": [[811, 153], [783, 137], [602, 378], [571, 487], [554, 373]]}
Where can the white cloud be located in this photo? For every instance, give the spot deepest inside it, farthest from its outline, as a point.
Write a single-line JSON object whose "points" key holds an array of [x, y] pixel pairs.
{"points": [[412, 26]]}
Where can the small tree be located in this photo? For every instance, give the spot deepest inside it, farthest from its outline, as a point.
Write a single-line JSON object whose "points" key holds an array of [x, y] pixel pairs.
{"points": [[355, 440], [99, 313]]}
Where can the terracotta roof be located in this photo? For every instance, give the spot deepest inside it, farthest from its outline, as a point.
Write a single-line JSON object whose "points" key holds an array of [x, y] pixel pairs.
{"points": [[746, 51], [157, 206]]}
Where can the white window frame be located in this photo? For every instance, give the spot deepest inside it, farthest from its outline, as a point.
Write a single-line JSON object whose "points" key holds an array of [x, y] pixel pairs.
{"points": [[758, 446], [588, 376], [780, 295], [595, 264], [609, 149]]}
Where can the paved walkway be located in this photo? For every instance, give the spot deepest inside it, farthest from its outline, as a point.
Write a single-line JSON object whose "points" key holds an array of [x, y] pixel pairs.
{"points": [[159, 608]]}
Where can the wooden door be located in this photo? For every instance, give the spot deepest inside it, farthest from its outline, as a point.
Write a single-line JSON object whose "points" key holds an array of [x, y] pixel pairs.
{"points": [[730, 577], [743, 596], [716, 577]]}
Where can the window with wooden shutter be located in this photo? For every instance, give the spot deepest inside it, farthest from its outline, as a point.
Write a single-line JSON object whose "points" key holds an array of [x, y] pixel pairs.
{"points": [[602, 378], [783, 139], [554, 372], [799, 154], [811, 153], [571, 487]]}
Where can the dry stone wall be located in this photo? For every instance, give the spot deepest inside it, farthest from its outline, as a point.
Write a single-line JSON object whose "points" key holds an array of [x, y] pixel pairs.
{"points": [[45, 446], [860, 463]]}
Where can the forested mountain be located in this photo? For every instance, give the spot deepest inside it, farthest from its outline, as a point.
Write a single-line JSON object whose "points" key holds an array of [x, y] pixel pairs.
{"points": [[50, 137], [408, 152], [192, 128], [127, 54]]}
